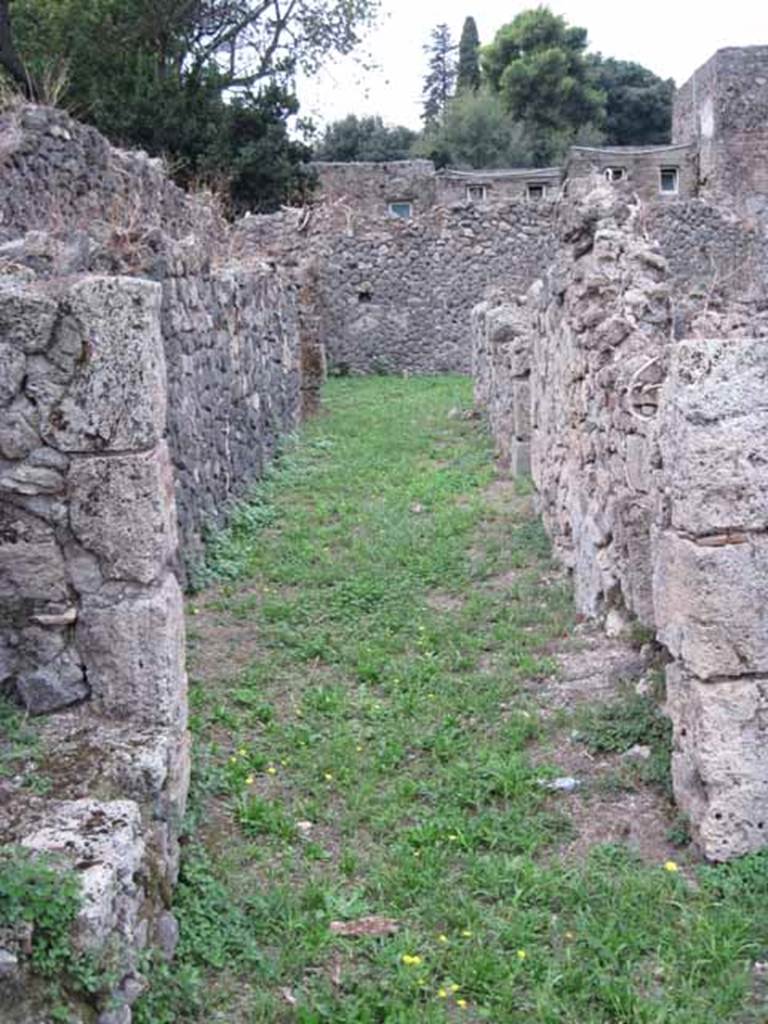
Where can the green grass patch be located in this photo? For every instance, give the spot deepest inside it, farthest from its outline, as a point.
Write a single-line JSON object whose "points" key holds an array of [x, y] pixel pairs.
{"points": [[373, 759]]}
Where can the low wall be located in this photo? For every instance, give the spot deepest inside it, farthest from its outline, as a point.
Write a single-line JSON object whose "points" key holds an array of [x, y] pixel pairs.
{"points": [[644, 452]]}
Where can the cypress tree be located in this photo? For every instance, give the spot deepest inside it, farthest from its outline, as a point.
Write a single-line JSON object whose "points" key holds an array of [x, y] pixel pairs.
{"points": [[469, 58]]}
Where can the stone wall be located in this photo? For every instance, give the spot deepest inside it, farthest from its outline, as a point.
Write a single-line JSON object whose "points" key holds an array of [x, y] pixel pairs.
{"points": [[91, 613], [396, 295], [723, 108], [645, 451], [72, 204], [149, 371], [641, 167]]}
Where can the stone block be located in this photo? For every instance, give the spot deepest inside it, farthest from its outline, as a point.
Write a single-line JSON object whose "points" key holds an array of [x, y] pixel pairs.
{"points": [[520, 458], [122, 510], [718, 760], [709, 602], [31, 563], [13, 363], [712, 427], [116, 401], [53, 686], [27, 317], [18, 429], [521, 406], [104, 840], [133, 648]]}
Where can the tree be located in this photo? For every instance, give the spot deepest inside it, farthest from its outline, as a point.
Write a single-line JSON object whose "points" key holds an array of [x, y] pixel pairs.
{"points": [[537, 65], [469, 58], [638, 104], [364, 138], [441, 74], [476, 131], [174, 76]]}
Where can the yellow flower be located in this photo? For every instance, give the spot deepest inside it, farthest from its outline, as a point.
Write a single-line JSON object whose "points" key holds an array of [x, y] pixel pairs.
{"points": [[462, 1003], [454, 988], [243, 752], [521, 954], [249, 781], [359, 748], [467, 933], [233, 760], [442, 994], [271, 770], [569, 936], [411, 961], [328, 777], [671, 866], [442, 938], [453, 837]]}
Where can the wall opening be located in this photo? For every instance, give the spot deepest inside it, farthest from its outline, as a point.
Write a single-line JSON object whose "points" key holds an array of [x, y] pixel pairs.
{"points": [[402, 209], [669, 180]]}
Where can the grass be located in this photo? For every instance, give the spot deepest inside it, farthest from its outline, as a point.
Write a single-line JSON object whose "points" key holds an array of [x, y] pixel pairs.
{"points": [[363, 702]]}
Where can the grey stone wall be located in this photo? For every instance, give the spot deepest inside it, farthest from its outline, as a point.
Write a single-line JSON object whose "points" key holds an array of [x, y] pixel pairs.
{"points": [[91, 612], [396, 295], [645, 451], [641, 167], [723, 108], [72, 204]]}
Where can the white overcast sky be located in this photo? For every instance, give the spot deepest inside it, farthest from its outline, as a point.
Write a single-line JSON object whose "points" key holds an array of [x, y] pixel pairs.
{"points": [[671, 37]]}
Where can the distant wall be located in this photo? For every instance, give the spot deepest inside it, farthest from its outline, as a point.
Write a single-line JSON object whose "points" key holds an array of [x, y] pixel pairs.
{"points": [[724, 108], [641, 166], [396, 295]]}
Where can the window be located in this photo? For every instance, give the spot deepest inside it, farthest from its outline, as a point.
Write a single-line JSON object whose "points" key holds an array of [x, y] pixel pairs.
{"points": [[536, 191], [669, 179], [615, 173], [401, 209], [477, 193]]}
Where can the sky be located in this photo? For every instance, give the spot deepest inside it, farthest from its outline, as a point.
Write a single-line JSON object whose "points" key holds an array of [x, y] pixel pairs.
{"points": [[671, 37]]}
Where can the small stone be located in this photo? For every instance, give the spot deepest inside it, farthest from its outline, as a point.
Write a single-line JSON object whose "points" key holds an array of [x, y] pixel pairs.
{"points": [[65, 618], [30, 480], [53, 686], [637, 753], [118, 1015], [567, 784], [167, 935], [9, 965]]}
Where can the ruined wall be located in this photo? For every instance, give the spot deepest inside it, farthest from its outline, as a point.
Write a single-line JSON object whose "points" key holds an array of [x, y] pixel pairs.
{"points": [[147, 376], [645, 449], [723, 108], [91, 612], [71, 204], [641, 166], [396, 295]]}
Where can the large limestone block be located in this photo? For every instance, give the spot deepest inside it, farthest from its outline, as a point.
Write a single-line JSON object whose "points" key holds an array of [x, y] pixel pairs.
{"points": [[122, 509], [510, 325], [104, 842], [133, 649], [720, 760], [712, 427], [117, 399], [710, 602]]}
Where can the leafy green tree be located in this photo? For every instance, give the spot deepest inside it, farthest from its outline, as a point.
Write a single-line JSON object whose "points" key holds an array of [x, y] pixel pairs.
{"points": [[638, 104], [441, 73], [537, 65], [469, 58], [476, 131], [174, 76], [364, 138]]}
